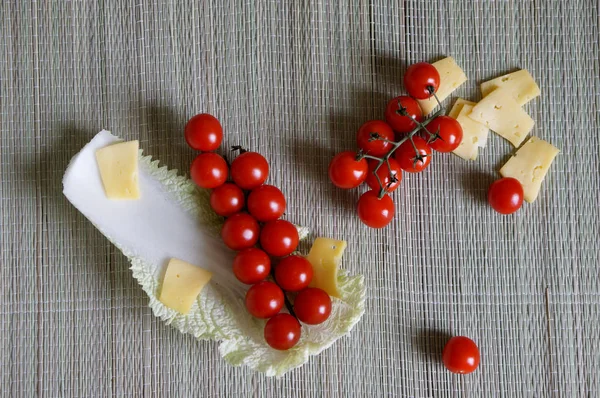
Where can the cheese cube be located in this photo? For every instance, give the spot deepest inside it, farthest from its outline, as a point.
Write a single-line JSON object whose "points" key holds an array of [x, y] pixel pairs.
{"points": [[530, 165], [519, 84], [118, 165], [182, 284], [457, 107], [501, 113], [474, 135], [325, 256], [451, 77]]}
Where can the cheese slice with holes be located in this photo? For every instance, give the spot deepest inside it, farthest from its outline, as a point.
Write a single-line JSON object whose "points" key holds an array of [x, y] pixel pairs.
{"points": [[474, 134], [530, 165], [182, 284], [502, 114], [457, 107], [451, 77], [325, 256], [520, 85], [118, 165]]}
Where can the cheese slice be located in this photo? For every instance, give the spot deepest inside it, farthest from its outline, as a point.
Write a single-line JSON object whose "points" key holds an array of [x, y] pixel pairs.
{"points": [[325, 256], [530, 165], [182, 284], [118, 165], [457, 107], [451, 77], [501, 113], [474, 134], [519, 84]]}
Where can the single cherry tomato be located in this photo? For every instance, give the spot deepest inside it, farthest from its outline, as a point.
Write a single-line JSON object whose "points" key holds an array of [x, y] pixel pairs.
{"points": [[264, 299], [279, 238], [251, 265], [282, 332], [227, 199], [421, 80], [249, 170], [203, 132], [461, 355], [375, 212], [209, 170], [293, 273], [240, 231], [346, 172], [375, 147], [399, 122], [266, 203], [446, 132], [384, 175], [411, 161], [506, 195], [312, 306]]}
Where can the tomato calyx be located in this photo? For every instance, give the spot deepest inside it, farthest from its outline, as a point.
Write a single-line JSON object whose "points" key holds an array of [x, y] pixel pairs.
{"points": [[239, 148]]}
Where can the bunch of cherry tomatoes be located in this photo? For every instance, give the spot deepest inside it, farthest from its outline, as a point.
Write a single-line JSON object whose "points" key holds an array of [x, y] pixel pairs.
{"points": [[253, 228]]}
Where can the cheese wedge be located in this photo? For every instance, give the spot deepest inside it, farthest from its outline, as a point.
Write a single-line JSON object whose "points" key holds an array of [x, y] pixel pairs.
{"points": [[530, 165], [502, 114], [474, 134], [118, 165], [451, 77], [519, 84], [325, 256], [457, 107], [182, 284]]}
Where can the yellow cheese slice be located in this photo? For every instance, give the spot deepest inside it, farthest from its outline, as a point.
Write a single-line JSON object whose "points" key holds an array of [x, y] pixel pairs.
{"points": [[451, 77], [519, 84], [325, 256], [182, 284], [118, 164], [530, 165], [474, 134], [457, 107], [500, 113]]}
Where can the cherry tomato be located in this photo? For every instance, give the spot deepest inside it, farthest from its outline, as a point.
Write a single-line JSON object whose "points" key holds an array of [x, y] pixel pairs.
{"points": [[266, 203], [264, 299], [373, 146], [400, 123], [346, 172], [375, 212], [293, 273], [384, 175], [506, 195], [251, 265], [203, 132], [209, 170], [227, 199], [279, 238], [240, 231], [461, 355], [312, 306], [282, 332], [249, 170], [409, 160], [421, 80], [448, 134]]}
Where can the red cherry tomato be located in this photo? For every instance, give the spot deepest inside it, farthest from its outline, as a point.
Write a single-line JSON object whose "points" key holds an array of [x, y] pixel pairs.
{"points": [[447, 132], [506, 195], [461, 355], [282, 332], [346, 172], [312, 306], [240, 231], [266, 203], [264, 299], [384, 175], [411, 161], [373, 146], [375, 212], [421, 80], [400, 123], [293, 273], [209, 170], [227, 199], [279, 238], [249, 170], [203, 132], [251, 265]]}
